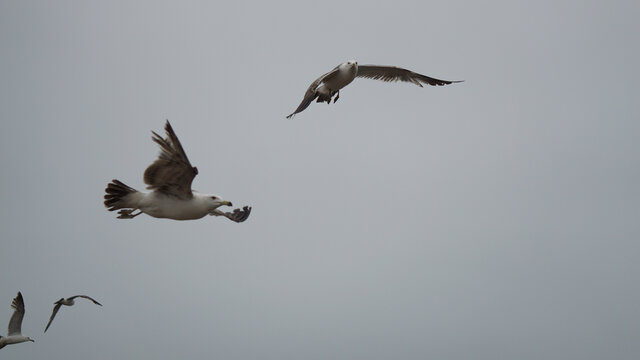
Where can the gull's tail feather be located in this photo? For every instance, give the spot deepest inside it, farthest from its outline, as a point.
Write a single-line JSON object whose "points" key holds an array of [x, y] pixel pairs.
{"points": [[118, 196]]}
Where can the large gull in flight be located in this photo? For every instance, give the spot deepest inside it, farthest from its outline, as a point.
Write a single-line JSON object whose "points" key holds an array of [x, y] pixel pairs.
{"points": [[169, 178], [14, 331], [67, 302], [329, 84]]}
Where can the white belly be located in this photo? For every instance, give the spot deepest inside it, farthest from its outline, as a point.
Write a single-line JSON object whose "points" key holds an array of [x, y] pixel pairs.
{"points": [[343, 78], [13, 339], [162, 206]]}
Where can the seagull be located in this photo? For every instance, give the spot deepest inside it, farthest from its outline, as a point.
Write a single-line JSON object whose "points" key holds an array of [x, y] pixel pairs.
{"points": [[68, 302], [329, 84], [169, 178], [14, 332]]}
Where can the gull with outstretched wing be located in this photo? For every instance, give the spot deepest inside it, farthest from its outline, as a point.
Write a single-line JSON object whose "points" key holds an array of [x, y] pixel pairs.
{"points": [[67, 302], [326, 86], [14, 330], [169, 178]]}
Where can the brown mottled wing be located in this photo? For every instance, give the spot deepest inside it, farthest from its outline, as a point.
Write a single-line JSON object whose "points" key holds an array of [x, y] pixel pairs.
{"points": [[311, 94], [172, 172], [53, 314], [392, 73], [15, 323]]}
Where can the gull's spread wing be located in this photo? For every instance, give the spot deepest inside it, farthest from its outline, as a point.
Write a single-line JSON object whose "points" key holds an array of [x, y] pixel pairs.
{"points": [[53, 314], [392, 73], [311, 94], [172, 172], [15, 323]]}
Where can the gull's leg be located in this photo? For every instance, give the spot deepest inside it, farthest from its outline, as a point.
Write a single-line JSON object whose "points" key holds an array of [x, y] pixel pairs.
{"points": [[127, 213], [337, 97]]}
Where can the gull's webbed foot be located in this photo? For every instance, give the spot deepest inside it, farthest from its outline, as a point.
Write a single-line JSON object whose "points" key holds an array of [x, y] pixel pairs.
{"points": [[127, 213], [337, 97]]}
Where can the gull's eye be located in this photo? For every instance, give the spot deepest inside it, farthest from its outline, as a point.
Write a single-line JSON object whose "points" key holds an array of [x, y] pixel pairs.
{"points": [[214, 197]]}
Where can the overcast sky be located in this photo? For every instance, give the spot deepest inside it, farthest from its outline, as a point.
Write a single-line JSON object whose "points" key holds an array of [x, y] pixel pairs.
{"points": [[492, 219]]}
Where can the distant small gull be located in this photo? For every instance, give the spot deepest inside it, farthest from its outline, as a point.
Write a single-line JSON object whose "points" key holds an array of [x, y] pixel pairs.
{"points": [[329, 84], [170, 178], [68, 302], [14, 332]]}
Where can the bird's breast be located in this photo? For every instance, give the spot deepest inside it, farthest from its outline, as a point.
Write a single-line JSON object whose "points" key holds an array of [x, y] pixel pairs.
{"points": [[162, 206], [343, 78]]}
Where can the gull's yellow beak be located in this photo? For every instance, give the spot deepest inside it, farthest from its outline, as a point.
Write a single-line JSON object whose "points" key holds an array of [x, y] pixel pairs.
{"points": [[228, 203]]}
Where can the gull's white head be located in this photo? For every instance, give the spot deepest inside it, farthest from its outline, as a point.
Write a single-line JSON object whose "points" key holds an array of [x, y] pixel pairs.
{"points": [[215, 202], [351, 63], [349, 67]]}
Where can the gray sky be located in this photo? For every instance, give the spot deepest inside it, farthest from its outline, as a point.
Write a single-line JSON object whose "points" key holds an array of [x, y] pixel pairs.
{"points": [[492, 219]]}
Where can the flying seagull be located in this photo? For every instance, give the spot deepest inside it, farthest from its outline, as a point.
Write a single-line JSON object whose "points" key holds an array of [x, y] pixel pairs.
{"points": [[169, 178], [68, 302], [14, 332], [329, 84]]}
